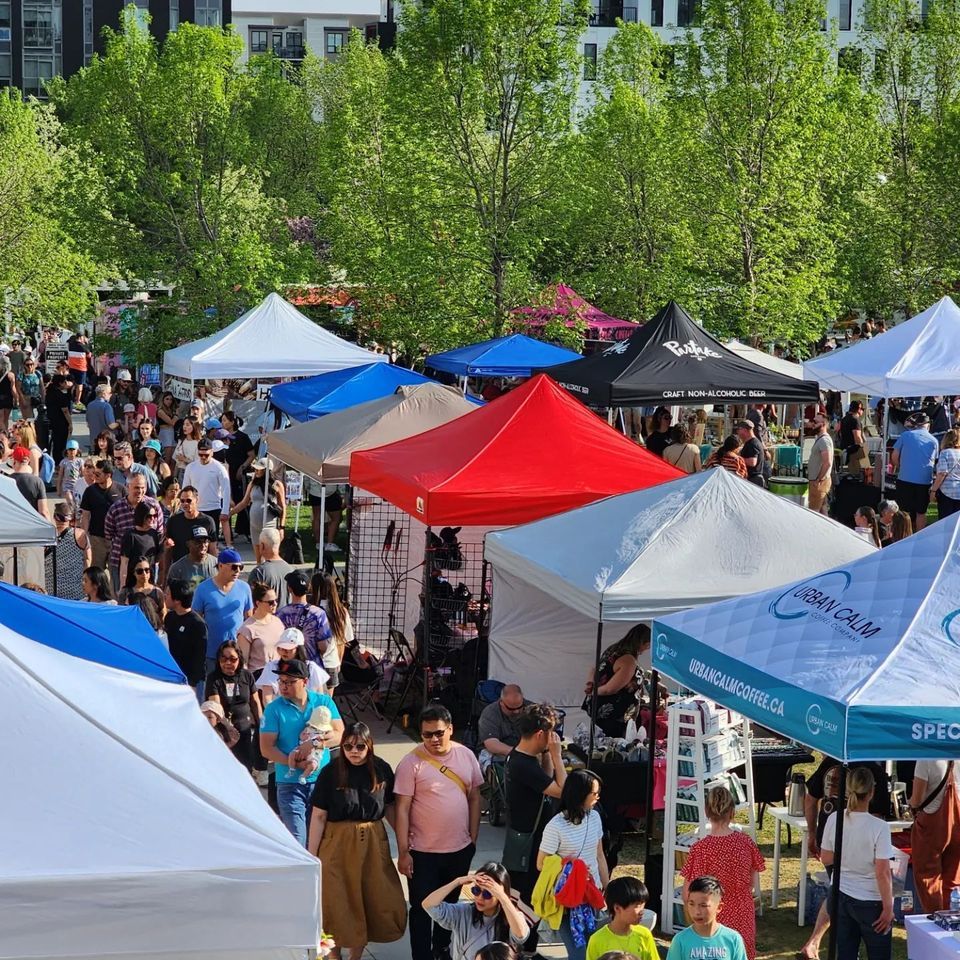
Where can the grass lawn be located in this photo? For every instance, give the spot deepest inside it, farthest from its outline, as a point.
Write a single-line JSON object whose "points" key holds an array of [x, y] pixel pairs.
{"points": [[778, 936]]}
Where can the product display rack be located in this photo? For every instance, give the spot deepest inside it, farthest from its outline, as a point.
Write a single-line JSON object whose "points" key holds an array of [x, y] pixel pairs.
{"points": [[705, 743]]}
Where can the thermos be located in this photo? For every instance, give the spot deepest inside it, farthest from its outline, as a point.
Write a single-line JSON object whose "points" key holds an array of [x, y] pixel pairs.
{"points": [[796, 795]]}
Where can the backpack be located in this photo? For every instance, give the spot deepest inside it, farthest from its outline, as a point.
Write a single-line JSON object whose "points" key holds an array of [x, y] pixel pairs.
{"points": [[47, 468]]}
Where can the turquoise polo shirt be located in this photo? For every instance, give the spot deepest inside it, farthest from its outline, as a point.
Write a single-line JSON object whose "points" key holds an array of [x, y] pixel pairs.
{"points": [[918, 454], [287, 720]]}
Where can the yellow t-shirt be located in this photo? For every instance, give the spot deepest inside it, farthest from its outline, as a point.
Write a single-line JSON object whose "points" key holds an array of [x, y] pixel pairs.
{"points": [[639, 942]]}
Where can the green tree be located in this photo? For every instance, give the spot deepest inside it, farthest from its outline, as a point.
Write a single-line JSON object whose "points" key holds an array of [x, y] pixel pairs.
{"points": [[173, 127], [770, 108], [45, 191]]}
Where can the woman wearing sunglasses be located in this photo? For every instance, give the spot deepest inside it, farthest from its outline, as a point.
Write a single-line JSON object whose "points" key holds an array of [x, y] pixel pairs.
{"points": [[261, 631], [352, 796], [232, 686], [140, 547], [491, 914], [71, 555]]}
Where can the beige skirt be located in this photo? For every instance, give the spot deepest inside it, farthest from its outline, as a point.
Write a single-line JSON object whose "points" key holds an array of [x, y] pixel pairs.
{"points": [[361, 897]]}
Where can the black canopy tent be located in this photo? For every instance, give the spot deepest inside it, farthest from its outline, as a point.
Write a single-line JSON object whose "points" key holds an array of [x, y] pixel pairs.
{"points": [[672, 360]]}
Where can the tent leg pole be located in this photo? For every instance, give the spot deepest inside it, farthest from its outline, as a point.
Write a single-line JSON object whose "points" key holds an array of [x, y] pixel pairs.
{"points": [[837, 854], [323, 525], [55, 571], [593, 695], [484, 599], [651, 766], [346, 558], [883, 449], [424, 655], [16, 567]]}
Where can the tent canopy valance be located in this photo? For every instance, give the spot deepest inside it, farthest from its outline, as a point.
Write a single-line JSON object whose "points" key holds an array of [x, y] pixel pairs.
{"points": [[328, 392], [273, 339], [20, 524], [532, 452], [861, 661], [565, 304], [512, 356], [322, 448], [672, 360], [763, 359], [916, 358]]}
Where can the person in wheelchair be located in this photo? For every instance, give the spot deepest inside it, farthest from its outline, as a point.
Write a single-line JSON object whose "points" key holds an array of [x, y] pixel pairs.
{"points": [[497, 728]]}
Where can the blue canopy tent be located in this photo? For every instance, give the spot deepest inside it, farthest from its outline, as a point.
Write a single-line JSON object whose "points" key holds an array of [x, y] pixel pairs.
{"points": [[328, 392], [861, 661], [117, 637], [512, 356]]}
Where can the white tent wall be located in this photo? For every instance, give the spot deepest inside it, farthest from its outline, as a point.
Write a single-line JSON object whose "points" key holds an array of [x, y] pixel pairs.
{"points": [[154, 813]]}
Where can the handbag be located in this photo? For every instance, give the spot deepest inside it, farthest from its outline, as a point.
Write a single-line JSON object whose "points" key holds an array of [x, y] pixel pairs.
{"points": [[518, 854]]}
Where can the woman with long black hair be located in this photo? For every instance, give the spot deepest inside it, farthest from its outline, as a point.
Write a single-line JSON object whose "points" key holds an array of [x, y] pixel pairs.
{"points": [[362, 898], [232, 686]]}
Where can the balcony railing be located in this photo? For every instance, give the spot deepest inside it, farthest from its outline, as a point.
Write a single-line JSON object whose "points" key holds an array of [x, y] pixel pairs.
{"points": [[607, 13]]}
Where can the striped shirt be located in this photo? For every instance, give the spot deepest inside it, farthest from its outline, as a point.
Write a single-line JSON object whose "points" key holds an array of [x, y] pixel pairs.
{"points": [[578, 841], [119, 521]]}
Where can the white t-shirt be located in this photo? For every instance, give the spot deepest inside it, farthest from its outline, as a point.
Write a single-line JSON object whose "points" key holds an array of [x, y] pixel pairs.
{"points": [[865, 839], [933, 771], [578, 840], [318, 680], [212, 483]]}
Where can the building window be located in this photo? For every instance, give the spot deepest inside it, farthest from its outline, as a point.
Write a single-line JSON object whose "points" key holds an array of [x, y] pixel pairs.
{"points": [[6, 44], [629, 14], [87, 32], [656, 13], [688, 13], [174, 15], [846, 14], [881, 66], [294, 45], [143, 13], [589, 61], [208, 13], [259, 41], [42, 44], [334, 42]]}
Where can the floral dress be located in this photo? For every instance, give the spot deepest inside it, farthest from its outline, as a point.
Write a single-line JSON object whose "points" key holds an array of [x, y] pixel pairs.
{"points": [[732, 859]]}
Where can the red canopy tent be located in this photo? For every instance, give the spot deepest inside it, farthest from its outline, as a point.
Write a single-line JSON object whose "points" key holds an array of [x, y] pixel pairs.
{"points": [[533, 452], [568, 304]]}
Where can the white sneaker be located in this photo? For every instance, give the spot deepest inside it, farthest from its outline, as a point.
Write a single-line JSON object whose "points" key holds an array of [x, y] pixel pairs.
{"points": [[262, 777], [330, 548]]}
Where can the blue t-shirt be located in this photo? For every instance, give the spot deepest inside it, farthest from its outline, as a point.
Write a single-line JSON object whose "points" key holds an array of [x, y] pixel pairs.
{"points": [[223, 613], [918, 454], [725, 944], [99, 417], [284, 718], [949, 463]]}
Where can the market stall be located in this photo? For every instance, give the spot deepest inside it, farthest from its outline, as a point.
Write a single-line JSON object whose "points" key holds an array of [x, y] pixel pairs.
{"points": [[674, 361], [326, 393], [859, 662], [168, 851], [23, 536], [564, 304], [270, 343], [515, 355]]}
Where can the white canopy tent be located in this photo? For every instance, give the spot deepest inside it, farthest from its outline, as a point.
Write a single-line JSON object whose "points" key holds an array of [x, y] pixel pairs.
{"points": [[155, 843], [273, 339], [634, 557], [916, 358], [768, 360], [23, 534]]}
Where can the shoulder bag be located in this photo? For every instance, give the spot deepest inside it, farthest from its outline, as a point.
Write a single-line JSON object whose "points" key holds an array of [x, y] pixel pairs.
{"points": [[445, 770], [518, 853], [936, 793]]}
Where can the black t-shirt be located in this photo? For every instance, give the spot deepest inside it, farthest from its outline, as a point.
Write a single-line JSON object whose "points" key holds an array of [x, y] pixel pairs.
{"points": [[187, 637], [180, 530], [234, 693], [140, 545], [847, 425], [879, 805], [525, 782], [237, 452], [31, 488], [97, 501], [59, 394], [753, 448], [759, 424], [658, 441], [356, 801]]}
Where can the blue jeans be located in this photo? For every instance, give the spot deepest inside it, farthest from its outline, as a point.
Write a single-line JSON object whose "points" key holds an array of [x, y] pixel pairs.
{"points": [[566, 935], [855, 924], [293, 800]]}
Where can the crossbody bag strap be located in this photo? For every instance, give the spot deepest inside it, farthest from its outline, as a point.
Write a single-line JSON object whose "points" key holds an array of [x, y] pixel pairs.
{"points": [[936, 793], [445, 770]]}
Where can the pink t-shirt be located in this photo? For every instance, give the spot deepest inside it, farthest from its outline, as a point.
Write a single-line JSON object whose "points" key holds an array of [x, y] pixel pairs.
{"points": [[258, 641], [439, 814]]}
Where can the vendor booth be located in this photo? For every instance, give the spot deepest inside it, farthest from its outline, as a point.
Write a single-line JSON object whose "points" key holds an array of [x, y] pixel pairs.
{"points": [[564, 304], [530, 453], [270, 343], [763, 359], [860, 662], [329, 392], [23, 535], [512, 356], [671, 360], [158, 846], [637, 556]]}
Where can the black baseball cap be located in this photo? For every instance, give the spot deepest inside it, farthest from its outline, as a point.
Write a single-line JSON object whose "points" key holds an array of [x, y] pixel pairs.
{"points": [[204, 444], [297, 581], [293, 668]]}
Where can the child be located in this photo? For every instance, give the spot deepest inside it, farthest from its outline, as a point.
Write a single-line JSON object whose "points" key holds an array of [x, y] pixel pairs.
{"points": [[315, 732], [705, 937], [626, 898], [71, 466], [734, 859]]}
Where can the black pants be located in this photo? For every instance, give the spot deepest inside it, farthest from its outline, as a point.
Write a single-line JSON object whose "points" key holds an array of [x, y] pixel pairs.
{"points": [[59, 431], [946, 506], [245, 749], [432, 870], [214, 515], [522, 885]]}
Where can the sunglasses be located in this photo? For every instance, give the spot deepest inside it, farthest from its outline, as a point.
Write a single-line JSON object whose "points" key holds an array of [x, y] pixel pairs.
{"points": [[433, 735], [272, 602], [142, 570], [187, 500], [235, 566], [480, 892], [353, 747], [61, 517]]}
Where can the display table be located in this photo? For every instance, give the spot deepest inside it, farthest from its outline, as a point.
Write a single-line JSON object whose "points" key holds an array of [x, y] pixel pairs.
{"points": [[926, 941], [799, 824]]}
